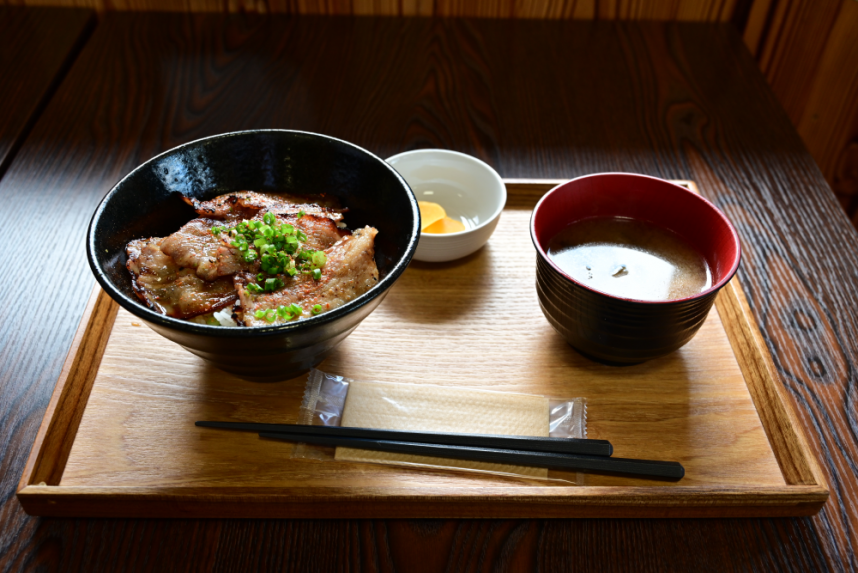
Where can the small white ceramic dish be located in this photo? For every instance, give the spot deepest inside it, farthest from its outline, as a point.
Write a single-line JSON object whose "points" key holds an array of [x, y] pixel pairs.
{"points": [[469, 190]]}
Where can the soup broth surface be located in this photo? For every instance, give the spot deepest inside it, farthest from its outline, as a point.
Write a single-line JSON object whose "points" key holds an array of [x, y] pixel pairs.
{"points": [[630, 258]]}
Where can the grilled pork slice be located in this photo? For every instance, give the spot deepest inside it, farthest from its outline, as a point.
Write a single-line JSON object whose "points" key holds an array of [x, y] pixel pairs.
{"points": [[166, 288], [234, 207], [196, 247], [349, 272]]}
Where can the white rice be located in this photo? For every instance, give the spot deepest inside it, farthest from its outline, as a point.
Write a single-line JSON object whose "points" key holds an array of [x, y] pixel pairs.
{"points": [[224, 316]]}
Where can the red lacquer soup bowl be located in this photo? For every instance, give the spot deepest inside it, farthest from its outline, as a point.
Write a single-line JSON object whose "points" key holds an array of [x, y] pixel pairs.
{"points": [[612, 329]]}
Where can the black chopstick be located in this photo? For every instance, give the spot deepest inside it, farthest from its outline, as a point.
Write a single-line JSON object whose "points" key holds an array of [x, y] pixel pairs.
{"points": [[597, 464], [525, 443]]}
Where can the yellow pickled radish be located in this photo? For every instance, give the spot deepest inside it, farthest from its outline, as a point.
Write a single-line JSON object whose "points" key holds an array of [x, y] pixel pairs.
{"points": [[445, 225], [430, 213]]}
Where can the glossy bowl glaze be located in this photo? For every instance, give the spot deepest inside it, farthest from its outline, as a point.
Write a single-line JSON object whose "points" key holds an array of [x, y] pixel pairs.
{"points": [[148, 202], [616, 330], [468, 189]]}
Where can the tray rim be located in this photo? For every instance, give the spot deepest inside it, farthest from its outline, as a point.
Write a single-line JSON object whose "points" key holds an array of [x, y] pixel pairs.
{"points": [[805, 492]]}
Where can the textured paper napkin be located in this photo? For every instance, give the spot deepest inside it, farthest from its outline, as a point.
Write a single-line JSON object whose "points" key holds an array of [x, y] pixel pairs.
{"points": [[441, 409]]}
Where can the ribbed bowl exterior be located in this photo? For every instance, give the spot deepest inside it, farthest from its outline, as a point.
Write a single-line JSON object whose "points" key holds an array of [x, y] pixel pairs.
{"points": [[613, 330]]}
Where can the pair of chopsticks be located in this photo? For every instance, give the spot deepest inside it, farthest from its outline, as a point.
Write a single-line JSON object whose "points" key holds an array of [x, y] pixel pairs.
{"points": [[564, 453]]}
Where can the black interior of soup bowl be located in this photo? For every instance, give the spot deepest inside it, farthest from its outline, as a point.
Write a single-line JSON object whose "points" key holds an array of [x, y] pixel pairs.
{"points": [[148, 202]]}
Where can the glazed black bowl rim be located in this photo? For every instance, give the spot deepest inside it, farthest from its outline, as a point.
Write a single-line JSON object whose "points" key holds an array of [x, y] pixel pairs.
{"points": [[717, 286], [138, 309]]}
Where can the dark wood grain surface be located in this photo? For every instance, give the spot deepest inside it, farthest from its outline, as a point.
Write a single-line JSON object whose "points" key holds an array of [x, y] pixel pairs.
{"points": [[534, 99], [37, 46]]}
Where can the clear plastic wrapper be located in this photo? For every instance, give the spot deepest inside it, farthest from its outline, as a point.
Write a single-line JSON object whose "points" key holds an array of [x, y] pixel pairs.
{"points": [[324, 404]]}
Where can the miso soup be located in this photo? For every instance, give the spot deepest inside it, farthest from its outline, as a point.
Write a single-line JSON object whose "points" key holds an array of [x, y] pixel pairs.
{"points": [[630, 258]]}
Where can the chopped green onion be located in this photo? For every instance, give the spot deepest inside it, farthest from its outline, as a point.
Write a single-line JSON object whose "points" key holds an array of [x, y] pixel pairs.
{"points": [[259, 314], [317, 308], [270, 315], [319, 259], [277, 247], [272, 284]]}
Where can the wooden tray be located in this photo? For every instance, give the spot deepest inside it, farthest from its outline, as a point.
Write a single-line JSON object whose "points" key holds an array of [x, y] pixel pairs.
{"points": [[118, 437]]}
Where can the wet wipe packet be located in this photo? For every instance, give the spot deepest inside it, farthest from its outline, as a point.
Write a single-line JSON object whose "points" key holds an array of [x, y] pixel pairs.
{"points": [[331, 400]]}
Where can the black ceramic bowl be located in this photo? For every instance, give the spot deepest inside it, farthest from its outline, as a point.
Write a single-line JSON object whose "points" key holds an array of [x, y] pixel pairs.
{"points": [[148, 202], [612, 329]]}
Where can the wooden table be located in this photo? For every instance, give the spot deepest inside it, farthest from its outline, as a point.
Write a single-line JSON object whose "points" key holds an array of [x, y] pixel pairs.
{"points": [[534, 99]]}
